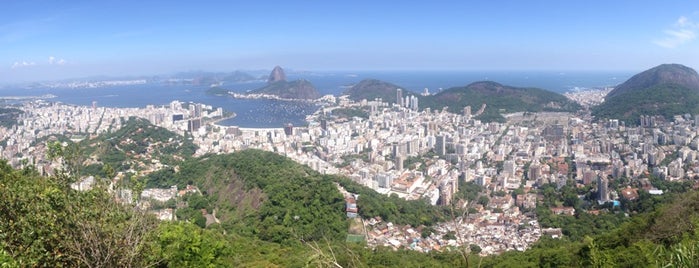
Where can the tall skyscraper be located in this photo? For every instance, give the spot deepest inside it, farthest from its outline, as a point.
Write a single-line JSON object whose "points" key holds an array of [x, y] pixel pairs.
{"points": [[534, 172], [440, 145], [445, 194], [399, 97], [399, 162], [413, 103], [509, 167]]}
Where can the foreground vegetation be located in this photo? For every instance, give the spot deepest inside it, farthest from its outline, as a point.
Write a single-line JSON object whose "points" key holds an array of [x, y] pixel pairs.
{"points": [[45, 223]]}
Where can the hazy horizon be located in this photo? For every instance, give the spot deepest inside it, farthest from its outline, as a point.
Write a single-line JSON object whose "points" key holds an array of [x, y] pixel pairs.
{"points": [[43, 41]]}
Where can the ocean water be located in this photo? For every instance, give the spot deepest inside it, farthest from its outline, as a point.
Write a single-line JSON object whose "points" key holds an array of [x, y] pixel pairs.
{"points": [[273, 113], [417, 81]]}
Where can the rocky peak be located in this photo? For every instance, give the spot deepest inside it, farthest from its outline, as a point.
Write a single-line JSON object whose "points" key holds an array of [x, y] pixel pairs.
{"points": [[276, 75]]}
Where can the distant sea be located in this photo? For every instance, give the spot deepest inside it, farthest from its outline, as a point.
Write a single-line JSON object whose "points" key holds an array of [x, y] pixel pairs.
{"points": [[273, 113]]}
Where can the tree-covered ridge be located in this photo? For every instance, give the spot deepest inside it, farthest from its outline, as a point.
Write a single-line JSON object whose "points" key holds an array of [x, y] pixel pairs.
{"points": [[664, 74], [666, 90], [393, 208], [265, 194], [370, 89], [218, 91], [268, 195], [499, 99], [666, 100], [137, 144]]}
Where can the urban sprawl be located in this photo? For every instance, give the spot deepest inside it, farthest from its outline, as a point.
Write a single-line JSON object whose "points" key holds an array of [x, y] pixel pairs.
{"points": [[414, 154]]}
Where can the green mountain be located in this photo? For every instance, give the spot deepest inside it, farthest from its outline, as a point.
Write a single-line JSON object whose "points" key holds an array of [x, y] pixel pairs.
{"points": [[136, 145], [278, 86], [218, 91], [498, 99], [265, 194], [676, 74], [667, 90], [370, 89], [249, 187]]}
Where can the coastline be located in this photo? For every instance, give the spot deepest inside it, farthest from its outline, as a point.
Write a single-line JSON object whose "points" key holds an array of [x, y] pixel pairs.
{"points": [[216, 121]]}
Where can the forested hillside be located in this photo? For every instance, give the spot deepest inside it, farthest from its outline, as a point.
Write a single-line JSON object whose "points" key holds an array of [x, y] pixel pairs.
{"points": [[275, 212]]}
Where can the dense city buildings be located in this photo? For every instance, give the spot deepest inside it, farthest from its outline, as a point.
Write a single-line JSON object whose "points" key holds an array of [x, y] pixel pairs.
{"points": [[416, 155]]}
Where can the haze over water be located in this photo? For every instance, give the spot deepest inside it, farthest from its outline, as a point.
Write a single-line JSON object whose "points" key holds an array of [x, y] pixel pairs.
{"points": [[273, 113]]}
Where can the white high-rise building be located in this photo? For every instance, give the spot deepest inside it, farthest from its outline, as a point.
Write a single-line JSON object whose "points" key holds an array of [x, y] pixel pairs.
{"points": [[413, 103]]}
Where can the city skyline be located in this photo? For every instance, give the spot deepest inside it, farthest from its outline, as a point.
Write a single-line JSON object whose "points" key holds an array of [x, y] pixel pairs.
{"points": [[47, 40]]}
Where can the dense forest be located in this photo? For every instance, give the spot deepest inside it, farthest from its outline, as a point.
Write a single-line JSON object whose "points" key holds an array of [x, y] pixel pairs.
{"points": [[665, 100], [499, 99], [299, 221], [666, 90]]}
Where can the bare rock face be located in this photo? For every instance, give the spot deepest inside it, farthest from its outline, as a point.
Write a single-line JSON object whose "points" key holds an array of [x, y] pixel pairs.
{"points": [[276, 75]]}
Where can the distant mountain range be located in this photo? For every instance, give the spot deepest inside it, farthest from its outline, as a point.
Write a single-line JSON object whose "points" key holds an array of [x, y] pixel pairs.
{"points": [[497, 98], [666, 90], [211, 78]]}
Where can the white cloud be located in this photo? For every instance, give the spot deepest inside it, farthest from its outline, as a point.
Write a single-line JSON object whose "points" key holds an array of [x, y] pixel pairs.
{"points": [[683, 31], [20, 64], [53, 60]]}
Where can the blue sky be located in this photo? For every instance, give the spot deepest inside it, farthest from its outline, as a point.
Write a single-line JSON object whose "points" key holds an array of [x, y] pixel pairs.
{"points": [[41, 40]]}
